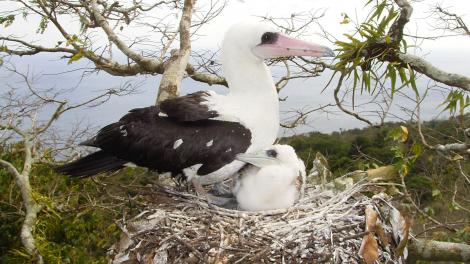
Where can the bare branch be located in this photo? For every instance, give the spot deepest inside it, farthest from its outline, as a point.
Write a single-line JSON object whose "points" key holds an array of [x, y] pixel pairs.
{"points": [[301, 116], [16, 129], [11, 169], [151, 65], [205, 78], [430, 250], [340, 105], [426, 68], [450, 21], [33, 49], [396, 30]]}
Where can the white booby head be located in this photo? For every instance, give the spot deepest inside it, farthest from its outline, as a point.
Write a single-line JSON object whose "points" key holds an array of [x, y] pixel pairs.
{"points": [[247, 44], [258, 41], [274, 179], [200, 134]]}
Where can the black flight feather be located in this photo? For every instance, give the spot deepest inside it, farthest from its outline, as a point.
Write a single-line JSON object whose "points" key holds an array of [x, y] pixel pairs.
{"points": [[95, 163]]}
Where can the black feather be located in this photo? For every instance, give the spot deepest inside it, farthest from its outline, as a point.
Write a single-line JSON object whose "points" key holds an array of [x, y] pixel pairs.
{"points": [[188, 108], [148, 139], [95, 163]]}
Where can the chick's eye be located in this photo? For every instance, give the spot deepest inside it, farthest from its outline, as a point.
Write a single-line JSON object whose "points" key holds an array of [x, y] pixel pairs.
{"points": [[268, 37], [271, 153]]}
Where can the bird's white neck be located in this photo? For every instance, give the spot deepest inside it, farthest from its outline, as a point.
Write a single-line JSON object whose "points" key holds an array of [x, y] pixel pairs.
{"points": [[253, 92], [248, 76]]}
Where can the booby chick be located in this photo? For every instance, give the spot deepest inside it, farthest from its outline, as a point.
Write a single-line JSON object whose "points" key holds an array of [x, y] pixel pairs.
{"points": [[273, 179], [200, 134]]}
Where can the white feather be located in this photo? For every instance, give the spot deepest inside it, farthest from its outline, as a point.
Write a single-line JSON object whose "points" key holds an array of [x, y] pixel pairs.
{"points": [[273, 186], [177, 143], [268, 189]]}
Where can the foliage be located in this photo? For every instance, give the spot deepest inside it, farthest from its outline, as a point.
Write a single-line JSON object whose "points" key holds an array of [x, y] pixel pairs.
{"points": [[366, 54], [346, 150], [7, 20], [369, 58], [429, 176], [77, 224]]}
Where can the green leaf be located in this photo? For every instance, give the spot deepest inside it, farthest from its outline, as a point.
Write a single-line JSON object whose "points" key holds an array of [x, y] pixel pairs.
{"points": [[436, 192], [353, 39], [403, 77], [356, 79], [378, 11], [454, 99], [405, 45], [368, 2], [392, 74], [7, 20], [429, 211], [385, 21], [417, 149], [366, 80], [75, 57], [370, 30], [42, 25], [404, 134], [413, 80]]}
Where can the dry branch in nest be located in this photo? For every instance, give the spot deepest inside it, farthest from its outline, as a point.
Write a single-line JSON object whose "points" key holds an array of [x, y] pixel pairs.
{"points": [[326, 226]]}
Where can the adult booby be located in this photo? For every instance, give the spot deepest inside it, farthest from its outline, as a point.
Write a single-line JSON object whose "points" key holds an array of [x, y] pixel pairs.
{"points": [[201, 133], [275, 179]]}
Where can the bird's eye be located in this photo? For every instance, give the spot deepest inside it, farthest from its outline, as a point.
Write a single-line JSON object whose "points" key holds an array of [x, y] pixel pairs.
{"points": [[271, 153], [268, 37]]}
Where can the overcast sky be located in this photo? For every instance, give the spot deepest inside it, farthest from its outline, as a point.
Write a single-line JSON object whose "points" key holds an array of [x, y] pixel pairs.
{"points": [[452, 54]]}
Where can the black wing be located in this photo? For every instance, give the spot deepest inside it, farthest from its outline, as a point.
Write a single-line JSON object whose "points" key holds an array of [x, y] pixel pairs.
{"points": [[150, 140], [188, 107]]}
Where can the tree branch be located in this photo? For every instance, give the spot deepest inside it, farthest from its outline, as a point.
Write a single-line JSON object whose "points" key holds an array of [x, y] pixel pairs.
{"points": [[451, 21], [107, 65], [205, 78], [422, 66], [31, 207], [148, 64], [174, 68], [341, 107], [34, 49], [418, 63], [14, 128], [11, 169], [430, 250], [396, 30]]}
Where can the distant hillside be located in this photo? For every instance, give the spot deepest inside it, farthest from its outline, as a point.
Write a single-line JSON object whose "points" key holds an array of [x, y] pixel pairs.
{"points": [[363, 148]]}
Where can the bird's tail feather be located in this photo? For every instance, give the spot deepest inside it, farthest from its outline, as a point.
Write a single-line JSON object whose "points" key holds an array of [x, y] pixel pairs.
{"points": [[92, 164]]}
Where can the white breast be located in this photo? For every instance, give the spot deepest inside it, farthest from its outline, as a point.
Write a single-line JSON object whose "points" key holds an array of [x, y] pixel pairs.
{"points": [[257, 112], [269, 188]]}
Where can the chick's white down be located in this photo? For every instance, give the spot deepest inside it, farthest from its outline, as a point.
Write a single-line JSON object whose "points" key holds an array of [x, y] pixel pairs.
{"points": [[273, 183]]}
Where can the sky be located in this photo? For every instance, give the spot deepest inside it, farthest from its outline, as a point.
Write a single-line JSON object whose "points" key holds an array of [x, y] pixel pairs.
{"points": [[452, 54]]}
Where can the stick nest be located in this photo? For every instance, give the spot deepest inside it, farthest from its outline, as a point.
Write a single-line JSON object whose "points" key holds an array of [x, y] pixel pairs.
{"points": [[326, 226]]}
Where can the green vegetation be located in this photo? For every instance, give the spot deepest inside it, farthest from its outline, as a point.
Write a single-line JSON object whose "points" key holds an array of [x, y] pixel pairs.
{"points": [[79, 221], [362, 149], [434, 181], [349, 150]]}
